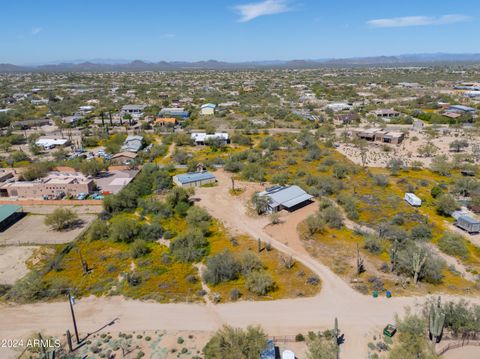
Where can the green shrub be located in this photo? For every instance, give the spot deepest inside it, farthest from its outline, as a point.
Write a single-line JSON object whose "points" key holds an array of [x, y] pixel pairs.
{"points": [[446, 204], [373, 244], [98, 230], [299, 337], [260, 282], [333, 217], [190, 246], [454, 245], [235, 294], [436, 191], [61, 219], [139, 248], [222, 267], [123, 229], [230, 342], [249, 262], [421, 232]]}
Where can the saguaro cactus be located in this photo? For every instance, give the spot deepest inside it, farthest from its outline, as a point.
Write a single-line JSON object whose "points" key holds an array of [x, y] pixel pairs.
{"points": [[336, 333], [436, 322], [418, 261], [360, 264]]}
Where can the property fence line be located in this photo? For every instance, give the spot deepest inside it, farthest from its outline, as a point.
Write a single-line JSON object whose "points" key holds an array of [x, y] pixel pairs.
{"points": [[459, 344], [60, 202], [284, 339]]}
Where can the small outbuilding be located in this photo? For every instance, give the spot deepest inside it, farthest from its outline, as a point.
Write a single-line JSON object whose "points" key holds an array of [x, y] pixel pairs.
{"points": [[194, 179], [412, 200], [468, 224]]}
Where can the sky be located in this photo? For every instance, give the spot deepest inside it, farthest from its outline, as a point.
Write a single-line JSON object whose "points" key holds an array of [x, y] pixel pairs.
{"points": [[44, 31]]}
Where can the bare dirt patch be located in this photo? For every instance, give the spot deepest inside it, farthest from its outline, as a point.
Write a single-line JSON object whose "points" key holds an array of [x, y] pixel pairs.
{"points": [[32, 230], [13, 263]]}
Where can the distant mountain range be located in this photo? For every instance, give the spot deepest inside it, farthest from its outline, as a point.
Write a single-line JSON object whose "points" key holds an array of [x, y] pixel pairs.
{"points": [[102, 65]]}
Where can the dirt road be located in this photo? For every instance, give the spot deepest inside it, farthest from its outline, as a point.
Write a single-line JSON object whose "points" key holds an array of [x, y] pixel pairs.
{"points": [[359, 316]]}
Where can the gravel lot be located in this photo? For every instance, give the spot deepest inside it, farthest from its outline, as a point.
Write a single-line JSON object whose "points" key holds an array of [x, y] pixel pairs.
{"points": [[32, 230]]}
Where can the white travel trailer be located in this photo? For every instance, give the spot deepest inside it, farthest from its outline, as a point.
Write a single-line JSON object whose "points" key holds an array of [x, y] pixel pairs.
{"points": [[412, 200]]}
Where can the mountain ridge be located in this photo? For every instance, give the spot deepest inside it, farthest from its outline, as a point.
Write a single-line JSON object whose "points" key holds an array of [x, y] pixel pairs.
{"points": [[100, 65]]}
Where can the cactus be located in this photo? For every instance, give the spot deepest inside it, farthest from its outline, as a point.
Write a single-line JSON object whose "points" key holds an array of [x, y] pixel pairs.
{"points": [[336, 333], [418, 261], [259, 245], [393, 255], [436, 322], [360, 264]]}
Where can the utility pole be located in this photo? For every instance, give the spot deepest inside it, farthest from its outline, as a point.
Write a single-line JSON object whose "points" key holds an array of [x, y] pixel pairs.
{"points": [[70, 301]]}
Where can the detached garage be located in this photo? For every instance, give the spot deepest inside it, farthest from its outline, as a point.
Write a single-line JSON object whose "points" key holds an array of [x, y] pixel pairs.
{"points": [[194, 179], [9, 214]]}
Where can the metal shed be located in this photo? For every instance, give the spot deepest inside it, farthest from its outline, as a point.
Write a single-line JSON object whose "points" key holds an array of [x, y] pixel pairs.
{"points": [[286, 197], [194, 179]]}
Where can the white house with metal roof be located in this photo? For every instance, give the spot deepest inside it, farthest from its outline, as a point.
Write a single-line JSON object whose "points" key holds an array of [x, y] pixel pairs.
{"points": [[200, 138], [49, 143], [207, 109], [194, 179], [286, 197]]}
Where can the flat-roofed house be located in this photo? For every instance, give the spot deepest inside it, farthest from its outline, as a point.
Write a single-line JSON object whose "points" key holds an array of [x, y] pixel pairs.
{"points": [[394, 137], [286, 197], [51, 186], [194, 179], [377, 135], [386, 113]]}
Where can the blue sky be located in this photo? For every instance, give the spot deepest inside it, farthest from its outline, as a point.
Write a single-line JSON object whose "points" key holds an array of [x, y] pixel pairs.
{"points": [[40, 31]]}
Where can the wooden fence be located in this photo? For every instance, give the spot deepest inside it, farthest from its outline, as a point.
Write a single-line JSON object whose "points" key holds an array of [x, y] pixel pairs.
{"points": [[459, 344], [284, 339]]}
